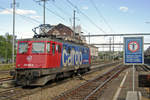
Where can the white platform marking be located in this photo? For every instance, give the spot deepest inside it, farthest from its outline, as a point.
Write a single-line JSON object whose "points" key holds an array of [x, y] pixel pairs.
{"points": [[119, 88]]}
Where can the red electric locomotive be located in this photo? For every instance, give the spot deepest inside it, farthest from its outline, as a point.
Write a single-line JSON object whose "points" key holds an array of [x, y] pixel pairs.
{"points": [[42, 59]]}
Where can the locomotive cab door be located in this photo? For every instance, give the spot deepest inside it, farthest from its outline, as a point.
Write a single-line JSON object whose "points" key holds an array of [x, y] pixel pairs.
{"points": [[58, 54], [53, 54], [48, 53], [51, 57]]}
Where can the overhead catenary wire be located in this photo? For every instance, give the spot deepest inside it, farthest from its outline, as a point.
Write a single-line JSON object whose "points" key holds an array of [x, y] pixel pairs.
{"points": [[101, 15], [105, 21], [60, 9], [23, 16], [33, 21], [55, 13], [86, 16]]}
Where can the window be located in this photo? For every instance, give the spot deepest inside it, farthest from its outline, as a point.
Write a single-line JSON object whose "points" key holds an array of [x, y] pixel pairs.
{"points": [[23, 47], [53, 48], [56, 47], [59, 48], [48, 48], [38, 47]]}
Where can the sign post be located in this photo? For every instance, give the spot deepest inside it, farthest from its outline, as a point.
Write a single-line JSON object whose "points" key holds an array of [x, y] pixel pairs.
{"points": [[133, 77], [133, 53]]}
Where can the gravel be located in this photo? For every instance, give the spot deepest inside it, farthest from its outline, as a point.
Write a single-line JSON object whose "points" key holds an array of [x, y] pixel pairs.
{"points": [[52, 92]]}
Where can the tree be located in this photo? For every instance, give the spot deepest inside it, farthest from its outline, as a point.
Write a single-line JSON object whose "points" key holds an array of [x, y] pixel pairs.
{"points": [[6, 47], [2, 47]]}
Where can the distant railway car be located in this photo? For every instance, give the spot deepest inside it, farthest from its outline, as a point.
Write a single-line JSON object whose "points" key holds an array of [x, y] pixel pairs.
{"points": [[39, 60]]}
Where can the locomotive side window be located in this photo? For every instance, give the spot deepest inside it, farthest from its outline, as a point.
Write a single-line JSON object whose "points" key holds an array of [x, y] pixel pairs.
{"points": [[38, 47], [56, 47], [48, 48], [59, 48], [53, 48], [23, 47]]}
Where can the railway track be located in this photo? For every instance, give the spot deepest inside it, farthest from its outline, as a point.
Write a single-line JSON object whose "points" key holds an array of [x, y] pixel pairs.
{"points": [[13, 93], [4, 71], [92, 89], [141, 68], [18, 92], [4, 76], [5, 79]]}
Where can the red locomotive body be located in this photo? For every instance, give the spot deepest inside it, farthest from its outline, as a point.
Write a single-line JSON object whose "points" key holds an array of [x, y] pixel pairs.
{"points": [[38, 54], [39, 60]]}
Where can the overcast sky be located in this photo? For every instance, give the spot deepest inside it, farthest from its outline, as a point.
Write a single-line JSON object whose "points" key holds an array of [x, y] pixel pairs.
{"points": [[94, 16]]}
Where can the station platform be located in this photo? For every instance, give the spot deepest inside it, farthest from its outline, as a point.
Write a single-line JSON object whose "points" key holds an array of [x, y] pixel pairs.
{"points": [[121, 87]]}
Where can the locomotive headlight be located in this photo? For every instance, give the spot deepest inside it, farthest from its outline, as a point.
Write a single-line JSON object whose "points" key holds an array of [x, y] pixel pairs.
{"points": [[18, 65]]}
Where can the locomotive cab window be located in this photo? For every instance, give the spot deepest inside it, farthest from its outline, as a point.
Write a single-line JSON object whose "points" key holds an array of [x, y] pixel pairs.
{"points": [[53, 48], [23, 47], [38, 47], [48, 48]]}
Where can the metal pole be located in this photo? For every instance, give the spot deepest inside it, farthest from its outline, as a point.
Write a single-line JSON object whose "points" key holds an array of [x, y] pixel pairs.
{"points": [[113, 48], [113, 44], [89, 38], [133, 78], [44, 11], [14, 8], [74, 14], [6, 50], [110, 48]]}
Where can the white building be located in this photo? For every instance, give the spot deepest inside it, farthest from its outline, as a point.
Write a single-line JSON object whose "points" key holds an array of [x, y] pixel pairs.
{"points": [[93, 51]]}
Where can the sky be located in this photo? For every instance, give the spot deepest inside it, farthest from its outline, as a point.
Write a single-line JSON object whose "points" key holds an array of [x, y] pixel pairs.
{"points": [[94, 16]]}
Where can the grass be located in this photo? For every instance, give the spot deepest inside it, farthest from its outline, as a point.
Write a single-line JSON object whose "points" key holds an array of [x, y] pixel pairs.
{"points": [[6, 67]]}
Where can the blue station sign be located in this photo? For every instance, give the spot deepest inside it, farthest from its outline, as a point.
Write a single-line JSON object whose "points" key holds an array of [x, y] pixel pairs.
{"points": [[133, 50]]}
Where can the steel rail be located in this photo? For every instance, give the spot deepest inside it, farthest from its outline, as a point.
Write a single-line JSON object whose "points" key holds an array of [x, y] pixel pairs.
{"points": [[5, 79], [146, 68], [101, 85], [81, 91], [18, 92]]}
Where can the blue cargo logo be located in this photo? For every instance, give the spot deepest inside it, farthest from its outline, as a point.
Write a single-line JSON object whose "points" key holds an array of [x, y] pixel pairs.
{"points": [[72, 58]]}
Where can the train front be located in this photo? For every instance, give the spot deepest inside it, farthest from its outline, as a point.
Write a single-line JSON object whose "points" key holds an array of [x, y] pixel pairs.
{"points": [[30, 59]]}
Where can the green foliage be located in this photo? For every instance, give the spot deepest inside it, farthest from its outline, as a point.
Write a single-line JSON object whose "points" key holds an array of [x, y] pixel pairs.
{"points": [[2, 46], [6, 47]]}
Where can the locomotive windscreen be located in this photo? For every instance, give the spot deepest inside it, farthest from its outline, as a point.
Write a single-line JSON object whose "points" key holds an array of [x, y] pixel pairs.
{"points": [[38, 47], [23, 47]]}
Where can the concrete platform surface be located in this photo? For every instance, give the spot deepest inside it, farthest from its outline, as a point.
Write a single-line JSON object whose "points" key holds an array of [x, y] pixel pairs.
{"points": [[133, 95]]}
